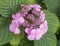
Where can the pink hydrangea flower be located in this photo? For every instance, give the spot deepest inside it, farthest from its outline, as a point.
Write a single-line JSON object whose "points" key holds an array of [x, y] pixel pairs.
{"points": [[17, 20], [20, 20], [18, 17], [32, 19], [36, 7], [36, 34], [14, 27]]}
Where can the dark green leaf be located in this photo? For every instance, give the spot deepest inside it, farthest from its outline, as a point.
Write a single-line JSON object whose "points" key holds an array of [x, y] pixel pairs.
{"points": [[53, 22], [5, 34], [51, 4], [48, 39], [16, 38], [26, 42], [41, 3], [8, 7], [58, 43]]}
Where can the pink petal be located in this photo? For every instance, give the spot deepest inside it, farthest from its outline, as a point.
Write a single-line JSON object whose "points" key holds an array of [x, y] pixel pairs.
{"points": [[37, 9], [16, 31], [37, 6], [42, 16], [38, 36], [13, 25], [31, 37], [27, 30], [16, 16], [31, 17], [33, 31], [21, 20], [44, 27]]}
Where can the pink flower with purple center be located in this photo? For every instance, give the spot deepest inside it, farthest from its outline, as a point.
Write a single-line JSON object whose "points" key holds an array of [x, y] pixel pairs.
{"points": [[32, 19]]}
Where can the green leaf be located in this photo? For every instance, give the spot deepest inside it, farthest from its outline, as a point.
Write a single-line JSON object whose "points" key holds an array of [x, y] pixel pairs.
{"points": [[5, 34], [16, 38], [41, 3], [26, 42], [53, 22], [58, 43], [8, 7], [48, 39], [28, 2], [51, 4]]}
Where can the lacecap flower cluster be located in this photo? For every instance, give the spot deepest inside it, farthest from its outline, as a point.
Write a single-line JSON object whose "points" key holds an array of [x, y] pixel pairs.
{"points": [[32, 19]]}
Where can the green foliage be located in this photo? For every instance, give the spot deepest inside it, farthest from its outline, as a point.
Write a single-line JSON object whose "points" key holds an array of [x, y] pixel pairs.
{"points": [[53, 22], [7, 7], [51, 4], [26, 42], [5, 34], [41, 3], [48, 39], [28, 2], [6, 44], [16, 38], [58, 43]]}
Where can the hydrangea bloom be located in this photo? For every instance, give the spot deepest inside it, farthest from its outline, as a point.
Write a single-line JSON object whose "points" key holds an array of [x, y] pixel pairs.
{"points": [[37, 33], [14, 27], [18, 17], [17, 20], [32, 19]]}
